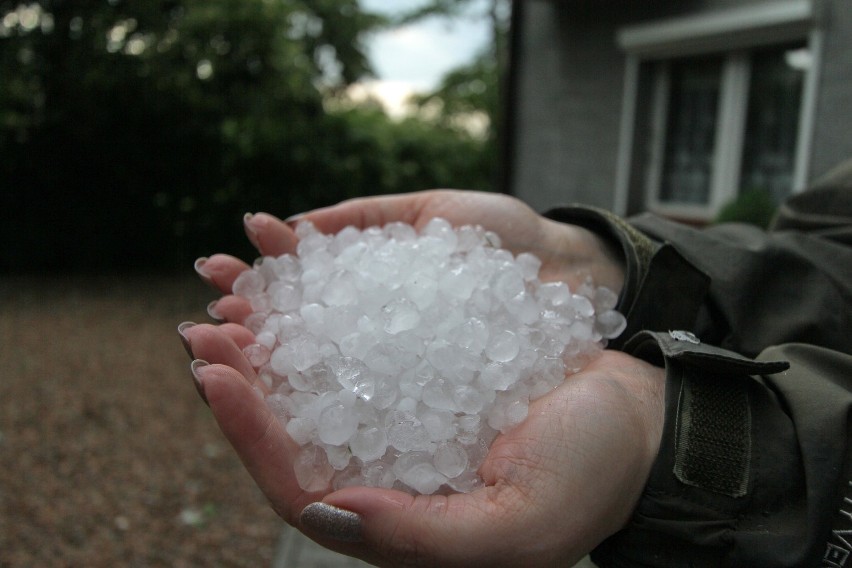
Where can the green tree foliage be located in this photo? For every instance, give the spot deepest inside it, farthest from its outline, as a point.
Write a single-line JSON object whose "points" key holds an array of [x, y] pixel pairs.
{"points": [[470, 93], [410, 153], [135, 133]]}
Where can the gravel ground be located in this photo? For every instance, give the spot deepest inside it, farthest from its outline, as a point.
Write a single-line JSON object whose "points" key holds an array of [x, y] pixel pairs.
{"points": [[107, 455]]}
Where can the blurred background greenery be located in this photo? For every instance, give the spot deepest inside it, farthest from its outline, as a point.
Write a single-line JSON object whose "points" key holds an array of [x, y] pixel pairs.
{"points": [[134, 134]]}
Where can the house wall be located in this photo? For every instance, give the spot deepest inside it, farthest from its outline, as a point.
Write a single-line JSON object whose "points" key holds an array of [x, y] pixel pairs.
{"points": [[569, 76], [832, 136], [568, 88], [569, 85]]}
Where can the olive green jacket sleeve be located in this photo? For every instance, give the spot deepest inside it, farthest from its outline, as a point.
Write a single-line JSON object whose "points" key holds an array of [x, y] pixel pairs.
{"points": [[754, 468], [734, 285], [754, 329]]}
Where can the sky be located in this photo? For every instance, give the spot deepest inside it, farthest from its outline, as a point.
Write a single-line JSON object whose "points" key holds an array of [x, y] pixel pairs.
{"points": [[415, 57]]}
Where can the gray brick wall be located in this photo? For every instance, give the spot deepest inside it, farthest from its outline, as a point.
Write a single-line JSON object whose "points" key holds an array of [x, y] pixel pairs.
{"points": [[832, 142], [569, 89]]}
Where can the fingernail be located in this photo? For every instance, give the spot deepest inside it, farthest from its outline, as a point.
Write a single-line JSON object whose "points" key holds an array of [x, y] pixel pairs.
{"points": [[294, 220], [331, 521], [184, 339], [202, 273], [211, 311], [249, 224], [196, 377]]}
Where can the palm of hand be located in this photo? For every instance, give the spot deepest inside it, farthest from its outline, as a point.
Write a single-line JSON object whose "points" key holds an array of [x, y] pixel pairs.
{"points": [[555, 486], [569, 475]]}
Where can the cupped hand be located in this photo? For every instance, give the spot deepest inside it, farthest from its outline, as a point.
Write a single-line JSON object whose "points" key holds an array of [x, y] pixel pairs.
{"points": [[555, 486], [568, 253]]}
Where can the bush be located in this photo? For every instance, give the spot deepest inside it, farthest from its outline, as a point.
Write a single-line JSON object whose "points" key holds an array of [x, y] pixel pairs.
{"points": [[753, 206]]}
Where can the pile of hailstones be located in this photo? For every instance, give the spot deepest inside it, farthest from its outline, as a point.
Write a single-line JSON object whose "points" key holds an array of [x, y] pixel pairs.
{"points": [[394, 358]]}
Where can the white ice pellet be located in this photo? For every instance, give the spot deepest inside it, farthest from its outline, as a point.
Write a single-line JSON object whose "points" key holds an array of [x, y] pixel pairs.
{"points": [[529, 264], [249, 283], [450, 459], [284, 297], [266, 339], [611, 323], [400, 315], [416, 470], [440, 424], [370, 443], [312, 469], [503, 346], [394, 358], [338, 457], [301, 430], [336, 425], [257, 354], [407, 433]]}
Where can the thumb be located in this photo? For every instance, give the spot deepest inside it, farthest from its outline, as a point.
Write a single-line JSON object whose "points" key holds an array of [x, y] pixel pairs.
{"points": [[395, 528]]}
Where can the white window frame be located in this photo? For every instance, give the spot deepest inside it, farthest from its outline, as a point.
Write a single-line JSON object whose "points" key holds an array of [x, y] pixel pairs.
{"points": [[730, 131], [731, 33]]}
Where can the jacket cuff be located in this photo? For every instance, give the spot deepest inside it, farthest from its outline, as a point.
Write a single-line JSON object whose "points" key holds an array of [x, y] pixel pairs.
{"points": [[654, 270], [702, 484], [636, 249]]}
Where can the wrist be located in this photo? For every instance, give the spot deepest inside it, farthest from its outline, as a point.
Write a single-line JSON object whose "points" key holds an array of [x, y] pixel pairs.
{"points": [[636, 391], [708, 461], [645, 384], [578, 254]]}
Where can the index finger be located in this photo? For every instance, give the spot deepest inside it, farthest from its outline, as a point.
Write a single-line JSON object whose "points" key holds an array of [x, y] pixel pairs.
{"points": [[270, 235], [257, 436], [363, 212]]}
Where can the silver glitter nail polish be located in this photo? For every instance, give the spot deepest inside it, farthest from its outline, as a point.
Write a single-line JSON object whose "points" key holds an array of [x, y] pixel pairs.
{"points": [[333, 522]]}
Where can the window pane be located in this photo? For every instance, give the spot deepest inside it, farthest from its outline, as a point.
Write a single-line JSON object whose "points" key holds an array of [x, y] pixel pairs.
{"points": [[691, 130], [772, 122]]}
